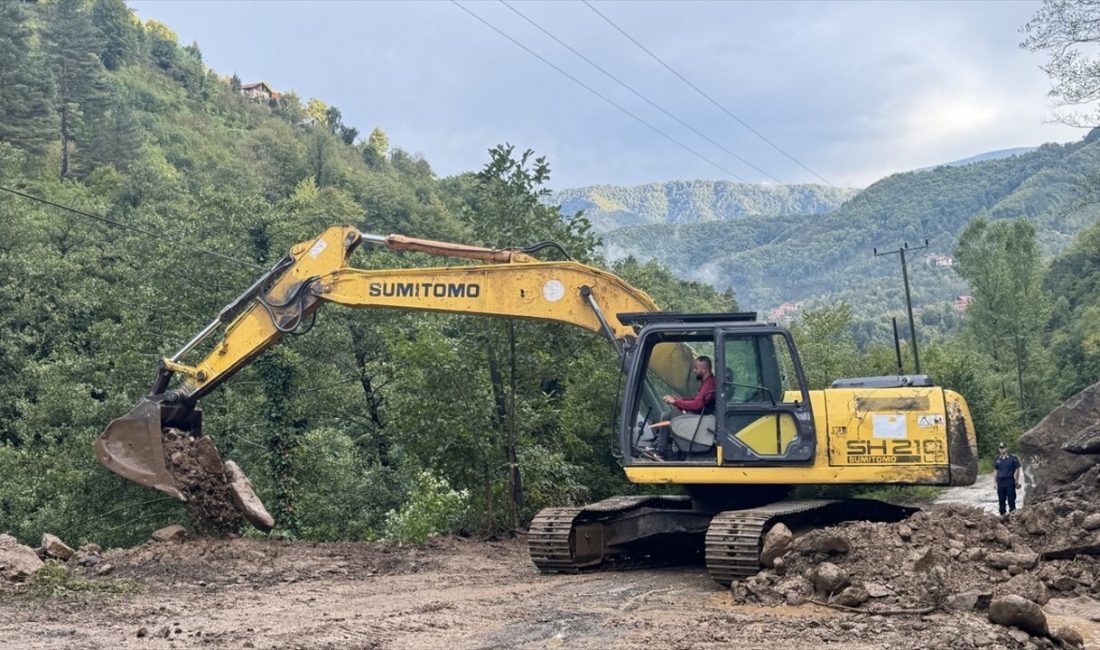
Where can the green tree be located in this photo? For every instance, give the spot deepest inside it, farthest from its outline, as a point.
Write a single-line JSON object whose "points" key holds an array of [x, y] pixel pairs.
{"points": [[377, 149], [26, 107], [826, 345], [113, 139], [72, 47], [1002, 264], [119, 31]]}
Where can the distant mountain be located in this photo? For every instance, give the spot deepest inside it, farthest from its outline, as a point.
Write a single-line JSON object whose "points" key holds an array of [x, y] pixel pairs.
{"points": [[982, 157], [688, 202], [784, 259]]}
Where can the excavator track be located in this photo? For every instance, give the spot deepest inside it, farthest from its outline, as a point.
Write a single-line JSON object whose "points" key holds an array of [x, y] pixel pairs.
{"points": [[735, 537], [570, 540]]}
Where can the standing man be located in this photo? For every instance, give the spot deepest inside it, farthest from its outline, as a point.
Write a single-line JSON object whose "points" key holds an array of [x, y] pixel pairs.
{"points": [[1007, 477]]}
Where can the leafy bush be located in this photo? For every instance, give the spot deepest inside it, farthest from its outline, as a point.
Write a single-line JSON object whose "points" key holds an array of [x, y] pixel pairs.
{"points": [[433, 508]]}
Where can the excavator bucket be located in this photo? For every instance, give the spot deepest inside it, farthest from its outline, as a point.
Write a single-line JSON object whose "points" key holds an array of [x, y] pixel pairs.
{"points": [[132, 447]]}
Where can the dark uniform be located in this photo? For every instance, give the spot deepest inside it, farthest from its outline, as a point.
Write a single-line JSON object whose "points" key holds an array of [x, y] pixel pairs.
{"points": [[1006, 481]]}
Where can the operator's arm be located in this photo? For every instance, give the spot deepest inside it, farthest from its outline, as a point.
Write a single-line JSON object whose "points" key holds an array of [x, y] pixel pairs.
{"points": [[701, 399]]}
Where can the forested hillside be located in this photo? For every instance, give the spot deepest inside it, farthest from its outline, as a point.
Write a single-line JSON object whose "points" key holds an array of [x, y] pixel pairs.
{"points": [[818, 259], [688, 202], [364, 428]]}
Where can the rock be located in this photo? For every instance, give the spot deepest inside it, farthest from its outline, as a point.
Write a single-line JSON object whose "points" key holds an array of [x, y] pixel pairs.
{"points": [[1068, 636], [826, 541], [17, 562], [1026, 585], [1046, 465], [174, 533], [56, 548], [1016, 611], [1006, 559], [1003, 537], [970, 601], [1034, 522], [1021, 637], [795, 591], [776, 543], [142, 632], [877, 590], [104, 569], [975, 554], [1091, 522], [1064, 583], [828, 578], [905, 532], [246, 500], [852, 596], [1085, 441], [921, 560], [91, 548]]}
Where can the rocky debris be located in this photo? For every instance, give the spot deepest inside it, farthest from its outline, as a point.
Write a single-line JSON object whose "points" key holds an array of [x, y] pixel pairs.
{"points": [[246, 500], [17, 562], [199, 473], [1008, 559], [1087, 441], [1091, 522], [852, 596], [920, 560], [87, 556], [970, 601], [174, 534], [828, 578], [1046, 464], [1017, 611], [1028, 585], [824, 541], [53, 547], [776, 543]]}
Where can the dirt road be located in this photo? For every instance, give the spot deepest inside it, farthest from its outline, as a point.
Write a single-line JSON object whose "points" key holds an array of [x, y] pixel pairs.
{"points": [[451, 593], [982, 495]]}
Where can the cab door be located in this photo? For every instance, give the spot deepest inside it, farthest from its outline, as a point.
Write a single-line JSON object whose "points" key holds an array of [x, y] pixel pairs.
{"points": [[762, 403]]}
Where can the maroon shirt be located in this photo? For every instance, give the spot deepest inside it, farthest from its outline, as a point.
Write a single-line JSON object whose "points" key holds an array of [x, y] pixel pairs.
{"points": [[703, 402]]}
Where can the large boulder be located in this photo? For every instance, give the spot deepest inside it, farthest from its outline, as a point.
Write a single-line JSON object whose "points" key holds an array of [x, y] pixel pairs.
{"points": [[1045, 463], [776, 543], [1016, 611], [1087, 441], [17, 562], [56, 548]]}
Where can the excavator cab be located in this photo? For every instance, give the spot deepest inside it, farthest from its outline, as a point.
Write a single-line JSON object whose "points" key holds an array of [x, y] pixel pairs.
{"points": [[761, 412]]}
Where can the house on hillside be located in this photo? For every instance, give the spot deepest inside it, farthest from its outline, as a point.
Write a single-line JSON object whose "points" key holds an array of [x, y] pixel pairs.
{"points": [[785, 313], [962, 303], [940, 261], [259, 90]]}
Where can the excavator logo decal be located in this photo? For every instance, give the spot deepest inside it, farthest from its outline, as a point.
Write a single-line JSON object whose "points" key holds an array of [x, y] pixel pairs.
{"points": [[424, 289]]}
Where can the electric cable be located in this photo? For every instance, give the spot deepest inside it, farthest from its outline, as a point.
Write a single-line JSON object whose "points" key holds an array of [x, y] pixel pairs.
{"points": [[119, 224], [598, 93], [640, 95], [706, 96]]}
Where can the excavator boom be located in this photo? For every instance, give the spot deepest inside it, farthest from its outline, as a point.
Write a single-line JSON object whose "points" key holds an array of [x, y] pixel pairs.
{"points": [[507, 283]]}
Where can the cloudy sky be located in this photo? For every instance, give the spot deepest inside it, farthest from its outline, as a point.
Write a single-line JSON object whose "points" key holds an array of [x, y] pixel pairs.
{"points": [[853, 91]]}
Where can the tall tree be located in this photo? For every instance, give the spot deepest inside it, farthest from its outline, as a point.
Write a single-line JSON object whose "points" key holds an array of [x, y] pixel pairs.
{"points": [[1002, 264], [376, 149], [72, 47], [114, 139], [119, 32], [26, 109]]}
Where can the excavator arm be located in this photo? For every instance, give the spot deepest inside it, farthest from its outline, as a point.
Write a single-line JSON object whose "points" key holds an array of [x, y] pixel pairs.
{"points": [[509, 283]]}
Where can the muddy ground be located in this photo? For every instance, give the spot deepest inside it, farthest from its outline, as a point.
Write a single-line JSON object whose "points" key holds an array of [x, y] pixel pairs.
{"points": [[451, 593]]}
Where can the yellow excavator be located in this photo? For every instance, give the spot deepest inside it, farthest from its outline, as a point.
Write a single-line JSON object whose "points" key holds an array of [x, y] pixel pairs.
{"points": [[763, 433]]}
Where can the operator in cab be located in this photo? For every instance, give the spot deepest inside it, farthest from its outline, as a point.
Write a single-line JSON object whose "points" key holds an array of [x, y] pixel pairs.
{"points": [[703, 402]]}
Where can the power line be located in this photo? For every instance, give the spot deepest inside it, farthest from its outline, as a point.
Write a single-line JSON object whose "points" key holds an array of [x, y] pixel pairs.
{"points": [[119, 224], [598, 94], [638, 94], [706, 96]]}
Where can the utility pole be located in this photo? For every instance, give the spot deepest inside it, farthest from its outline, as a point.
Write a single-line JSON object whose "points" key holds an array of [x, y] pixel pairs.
{"points": [[908, 300]]}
